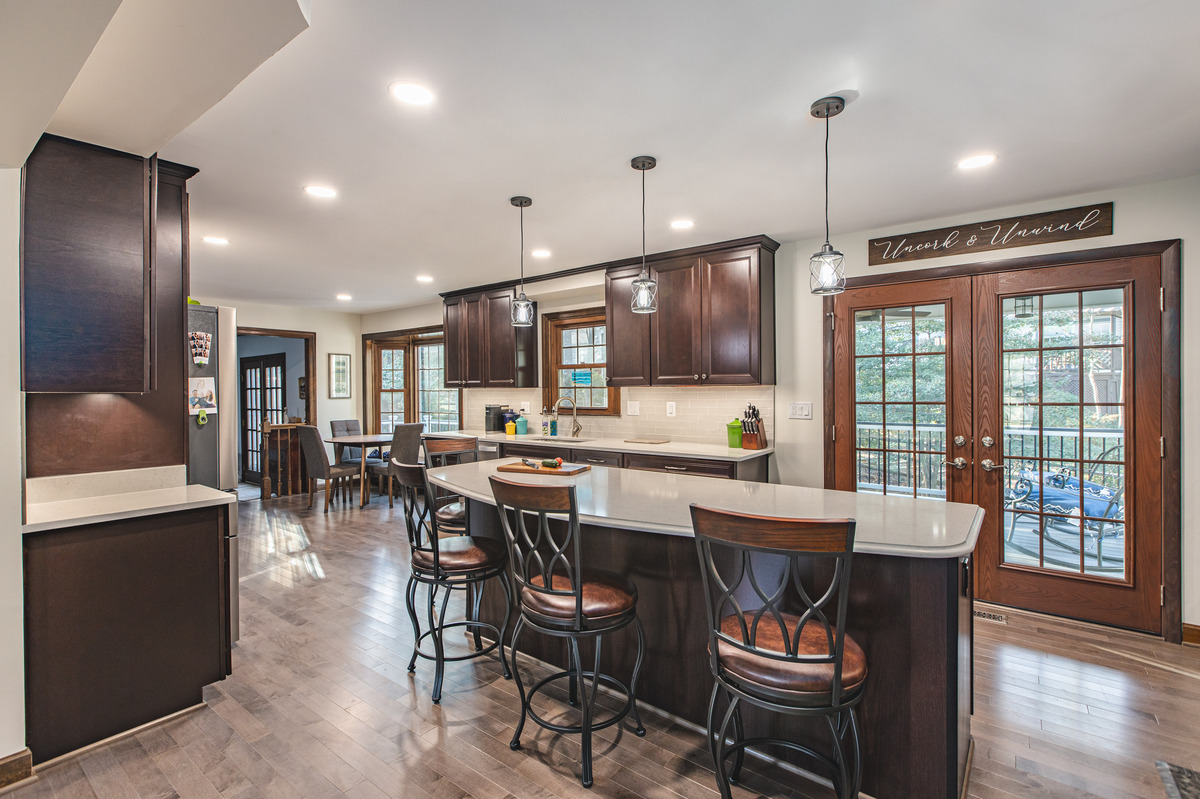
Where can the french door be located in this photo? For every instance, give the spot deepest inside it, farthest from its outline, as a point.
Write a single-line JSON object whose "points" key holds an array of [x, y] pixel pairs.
{"points": [[1034, 393], [262, 399]]}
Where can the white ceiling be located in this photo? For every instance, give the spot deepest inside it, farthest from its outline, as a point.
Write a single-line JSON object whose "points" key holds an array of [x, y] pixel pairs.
{"points": [[551, 99]]}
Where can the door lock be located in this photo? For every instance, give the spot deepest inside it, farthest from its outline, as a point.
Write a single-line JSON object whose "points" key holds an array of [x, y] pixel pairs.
{"points": [[959, 463], [960, 441], [989, 466], [987, 441]]}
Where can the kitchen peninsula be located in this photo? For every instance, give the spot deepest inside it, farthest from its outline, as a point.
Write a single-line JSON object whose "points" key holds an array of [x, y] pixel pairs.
{"points": [[910, 605]]}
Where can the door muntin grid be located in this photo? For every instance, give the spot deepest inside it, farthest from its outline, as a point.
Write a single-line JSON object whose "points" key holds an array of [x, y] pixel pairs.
{"points": [[900, 400], [252, 405], [1065, 405]]}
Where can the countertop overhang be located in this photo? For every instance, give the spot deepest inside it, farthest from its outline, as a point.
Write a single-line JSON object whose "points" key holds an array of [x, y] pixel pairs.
{"points": [[43, 516], [659, 503], [679, 449]]}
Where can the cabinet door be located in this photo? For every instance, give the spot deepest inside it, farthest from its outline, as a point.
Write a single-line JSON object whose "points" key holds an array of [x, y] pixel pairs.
{"points": [[453, 324], [474, 341], [628, 332], [675, 327], [729, 318], [500, 340], [85, 270]]}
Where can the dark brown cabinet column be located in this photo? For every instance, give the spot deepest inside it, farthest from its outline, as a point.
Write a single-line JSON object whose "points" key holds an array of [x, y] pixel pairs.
{"points": [[737, 320], [628, 332]]}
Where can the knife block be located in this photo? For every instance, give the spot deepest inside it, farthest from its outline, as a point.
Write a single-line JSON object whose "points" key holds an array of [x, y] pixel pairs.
{"points": [[754, 440]]}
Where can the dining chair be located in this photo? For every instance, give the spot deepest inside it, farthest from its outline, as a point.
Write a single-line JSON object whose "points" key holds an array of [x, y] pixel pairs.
{"points": [[316, 460]]}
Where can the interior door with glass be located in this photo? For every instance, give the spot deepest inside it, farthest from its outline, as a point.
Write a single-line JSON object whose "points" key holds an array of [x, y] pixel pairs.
{"points": [[262, 399], [1068, 419], [902, 389]]}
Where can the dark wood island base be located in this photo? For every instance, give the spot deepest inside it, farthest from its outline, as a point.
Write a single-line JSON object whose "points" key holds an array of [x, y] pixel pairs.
{"points": [[912, 616]]}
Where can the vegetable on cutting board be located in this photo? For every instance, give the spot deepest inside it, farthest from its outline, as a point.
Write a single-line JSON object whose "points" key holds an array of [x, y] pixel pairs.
{"points": [[552, 463]]}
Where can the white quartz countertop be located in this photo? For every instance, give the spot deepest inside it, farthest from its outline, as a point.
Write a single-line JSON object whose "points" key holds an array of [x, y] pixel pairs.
{"points": [[55, 515], [659, 503], [680, 449]]}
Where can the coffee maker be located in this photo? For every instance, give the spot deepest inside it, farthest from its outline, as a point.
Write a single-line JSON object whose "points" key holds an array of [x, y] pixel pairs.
{"points": [[493, 418]]}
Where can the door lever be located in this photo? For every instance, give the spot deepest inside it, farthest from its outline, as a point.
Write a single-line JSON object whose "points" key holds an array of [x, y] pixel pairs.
{"points": [[959, 463], [989, 466]]}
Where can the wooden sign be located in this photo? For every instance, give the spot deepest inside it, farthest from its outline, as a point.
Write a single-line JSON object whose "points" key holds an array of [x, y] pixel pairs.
{"points": [[1083, 222]]}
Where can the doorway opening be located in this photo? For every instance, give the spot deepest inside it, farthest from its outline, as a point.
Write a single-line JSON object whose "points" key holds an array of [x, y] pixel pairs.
{"points": [[277, 372]]}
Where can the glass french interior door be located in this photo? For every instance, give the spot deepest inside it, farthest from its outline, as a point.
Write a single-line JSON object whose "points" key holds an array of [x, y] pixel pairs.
{"points": [[1067, 439], [262, 398], [903, 390]]}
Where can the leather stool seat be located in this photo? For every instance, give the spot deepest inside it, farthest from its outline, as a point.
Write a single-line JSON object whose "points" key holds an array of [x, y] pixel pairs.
{"points": [[462, 553], [782, 675], [605, 594], [452, 513]]}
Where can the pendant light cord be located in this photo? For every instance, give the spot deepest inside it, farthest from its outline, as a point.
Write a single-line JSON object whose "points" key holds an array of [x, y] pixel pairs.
{"points": [[827, 179], [644, 223], [523, 244]]}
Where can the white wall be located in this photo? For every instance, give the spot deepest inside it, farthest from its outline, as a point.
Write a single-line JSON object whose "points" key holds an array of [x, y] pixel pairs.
{"points": [[336, 333], [1153, 212], [12, 634], [293, 351]]}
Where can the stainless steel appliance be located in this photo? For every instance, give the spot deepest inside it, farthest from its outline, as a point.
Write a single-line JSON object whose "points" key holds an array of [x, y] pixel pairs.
{"points": [[493, 418]]}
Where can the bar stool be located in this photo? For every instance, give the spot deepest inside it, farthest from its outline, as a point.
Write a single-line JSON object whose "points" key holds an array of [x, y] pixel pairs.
{"points": [[763, 653], [558, 597], [447, 564], [450, 509]]}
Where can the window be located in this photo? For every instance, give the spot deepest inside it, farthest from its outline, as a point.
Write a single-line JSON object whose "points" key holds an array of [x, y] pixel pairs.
{"points": [[576, 362], [407, 382]]}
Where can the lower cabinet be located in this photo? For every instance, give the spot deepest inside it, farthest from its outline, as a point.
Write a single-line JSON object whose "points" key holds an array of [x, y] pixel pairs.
{"points": [[754, 470], [658, 463], [535, 452], [125, 622]]}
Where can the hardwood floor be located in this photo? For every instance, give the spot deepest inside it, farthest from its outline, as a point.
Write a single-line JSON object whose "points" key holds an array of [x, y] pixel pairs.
{"points": [[320, 703]]}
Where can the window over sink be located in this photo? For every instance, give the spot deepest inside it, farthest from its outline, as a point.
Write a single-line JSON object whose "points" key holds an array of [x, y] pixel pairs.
{"points": [[576, 347]]}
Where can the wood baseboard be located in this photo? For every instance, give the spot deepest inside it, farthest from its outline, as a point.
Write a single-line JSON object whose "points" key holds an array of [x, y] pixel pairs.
{"points": [[16, 767], [1191, 633]]}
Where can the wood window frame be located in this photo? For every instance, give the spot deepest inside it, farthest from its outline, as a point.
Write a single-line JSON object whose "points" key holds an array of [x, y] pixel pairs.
{"points": [[1170, 253], [372, 346], [552, 324]]}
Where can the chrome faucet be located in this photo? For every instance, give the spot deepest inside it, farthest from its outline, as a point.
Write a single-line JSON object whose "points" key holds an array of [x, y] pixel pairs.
{"points": [[576, 427]]}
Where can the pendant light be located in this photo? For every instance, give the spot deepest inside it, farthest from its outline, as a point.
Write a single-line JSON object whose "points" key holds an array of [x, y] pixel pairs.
{"points": [[827, 268], [522, 307], [645, 288]]}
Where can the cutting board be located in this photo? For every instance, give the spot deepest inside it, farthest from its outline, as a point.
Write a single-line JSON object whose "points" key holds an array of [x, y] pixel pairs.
{"points": [[565, 470], [647, 441]]}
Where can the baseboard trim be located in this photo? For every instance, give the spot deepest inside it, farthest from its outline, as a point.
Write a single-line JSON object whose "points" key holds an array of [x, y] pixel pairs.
{"points": [[1191, 634], [140, 728], [16, 768]]}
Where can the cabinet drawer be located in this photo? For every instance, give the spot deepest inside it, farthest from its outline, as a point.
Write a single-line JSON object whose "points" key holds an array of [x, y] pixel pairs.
{"points": [[597, 457], [534, 451], [658, 463]]}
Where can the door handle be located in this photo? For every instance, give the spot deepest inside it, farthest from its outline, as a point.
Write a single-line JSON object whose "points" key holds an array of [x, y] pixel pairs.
{"points": [[959, 463], [989, 466]]}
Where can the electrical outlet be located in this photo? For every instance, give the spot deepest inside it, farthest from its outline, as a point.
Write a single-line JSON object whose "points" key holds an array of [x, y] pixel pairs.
{"points": [[632, 408], [670, 409], [525, 407], [800, 410]]}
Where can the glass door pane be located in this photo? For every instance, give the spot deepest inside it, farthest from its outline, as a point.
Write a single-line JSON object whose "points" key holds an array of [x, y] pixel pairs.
{"points": [[437, 406]]}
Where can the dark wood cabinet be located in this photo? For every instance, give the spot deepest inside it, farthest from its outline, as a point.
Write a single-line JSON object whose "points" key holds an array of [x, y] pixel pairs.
{"points": [[535, 452], [598, 457], [483, 349], [86, 286], [753, 469], [694, 466], [715, 323], [628, 332]]}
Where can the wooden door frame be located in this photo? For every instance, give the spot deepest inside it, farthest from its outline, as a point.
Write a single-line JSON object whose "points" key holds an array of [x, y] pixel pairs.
{"points": [[409, 338], [264, 424], [310, 362], [1170, 254]]}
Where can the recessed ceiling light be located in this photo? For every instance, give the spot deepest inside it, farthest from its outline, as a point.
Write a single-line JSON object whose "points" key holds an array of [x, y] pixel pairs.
{"points": [[411, 93], [976, 161], [540, 253], [321, 191], [215, 240], [344, 297], [424, 278], [682, 224]]}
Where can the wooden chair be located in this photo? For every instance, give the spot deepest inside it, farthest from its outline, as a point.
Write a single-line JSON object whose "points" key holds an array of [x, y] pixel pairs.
{"points": [[316, 459], [772, 586]]}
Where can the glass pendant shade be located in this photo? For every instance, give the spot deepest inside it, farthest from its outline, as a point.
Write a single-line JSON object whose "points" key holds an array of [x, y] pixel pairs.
{"points": [[827, 271], [522, 311], [645, 294]]}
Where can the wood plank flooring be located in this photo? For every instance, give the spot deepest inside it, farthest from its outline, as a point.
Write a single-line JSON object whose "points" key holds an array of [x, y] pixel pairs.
{"points": [[320, 703]]}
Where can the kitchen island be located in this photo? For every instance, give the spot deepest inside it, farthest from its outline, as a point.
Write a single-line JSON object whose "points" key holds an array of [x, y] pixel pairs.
{"points": [[910, 606]]}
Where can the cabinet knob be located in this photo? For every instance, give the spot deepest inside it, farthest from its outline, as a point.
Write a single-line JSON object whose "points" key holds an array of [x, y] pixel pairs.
{"points": [[705, 377], [695, 377]]}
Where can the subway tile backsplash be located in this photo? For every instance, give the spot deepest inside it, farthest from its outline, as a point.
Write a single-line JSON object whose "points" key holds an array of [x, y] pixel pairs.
{"points": [[701, 413]]}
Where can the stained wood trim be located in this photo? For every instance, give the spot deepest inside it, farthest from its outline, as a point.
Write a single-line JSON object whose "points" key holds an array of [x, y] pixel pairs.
{"points": [[1172, 488], [1191, 634], [16, 767], [310, 361], [830, 414], [551, 353], [765, 242]]}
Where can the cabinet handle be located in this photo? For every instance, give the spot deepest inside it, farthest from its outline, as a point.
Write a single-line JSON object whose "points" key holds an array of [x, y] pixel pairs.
{"points": [[510, 380], [595, 460], [676, 468], [695, 377]]}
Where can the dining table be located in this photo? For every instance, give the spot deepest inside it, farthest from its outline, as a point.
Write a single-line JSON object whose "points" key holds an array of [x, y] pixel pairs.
{"points": [[366, 441]]}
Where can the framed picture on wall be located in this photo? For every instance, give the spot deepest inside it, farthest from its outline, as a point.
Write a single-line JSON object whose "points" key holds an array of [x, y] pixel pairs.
{"points": [[339, 376]]}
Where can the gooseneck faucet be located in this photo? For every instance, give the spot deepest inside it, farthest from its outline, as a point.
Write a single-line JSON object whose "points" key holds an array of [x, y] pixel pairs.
{"points": [[576, 427]]}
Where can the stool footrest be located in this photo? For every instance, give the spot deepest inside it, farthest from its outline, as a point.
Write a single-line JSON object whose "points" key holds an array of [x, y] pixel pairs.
{"points": [[576, 729]]}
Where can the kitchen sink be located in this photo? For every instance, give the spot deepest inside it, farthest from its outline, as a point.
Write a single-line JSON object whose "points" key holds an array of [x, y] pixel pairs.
{"points": [[561, 439]]}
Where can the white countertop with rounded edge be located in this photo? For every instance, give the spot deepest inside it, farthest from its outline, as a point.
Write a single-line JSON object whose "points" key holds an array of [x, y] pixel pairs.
{"points": [[40, 516], [679, 449], [659, 503]]}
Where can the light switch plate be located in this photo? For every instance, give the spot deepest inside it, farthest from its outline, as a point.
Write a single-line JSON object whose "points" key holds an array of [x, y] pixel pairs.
{"points": [[800, 410], [633, 408], [525, 407], [670, 409]]}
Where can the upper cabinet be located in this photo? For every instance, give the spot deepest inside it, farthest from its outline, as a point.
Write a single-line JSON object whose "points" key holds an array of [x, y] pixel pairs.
{"points": [[483, 349], [715, 323], [86, 280]]}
